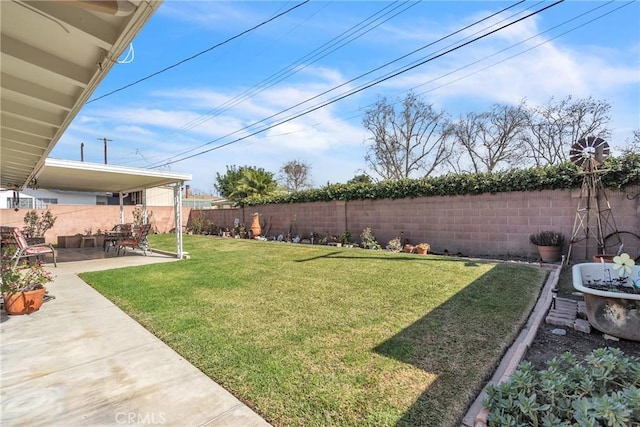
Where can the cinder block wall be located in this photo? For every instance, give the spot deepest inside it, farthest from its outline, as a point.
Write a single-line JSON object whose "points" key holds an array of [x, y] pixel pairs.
{"points": [[486, 224], [74, 219]]}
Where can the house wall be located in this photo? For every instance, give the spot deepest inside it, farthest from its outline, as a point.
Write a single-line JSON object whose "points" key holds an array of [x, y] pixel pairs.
{"points": [[486, 224], [160, 196], [73, 219], [63, 197]]}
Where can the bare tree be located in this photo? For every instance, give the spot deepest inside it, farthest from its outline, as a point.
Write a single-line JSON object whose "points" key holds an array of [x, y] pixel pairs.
{"points": [[633, 144], [490, 139], [410, 141], [295, 175], [555, 126]]}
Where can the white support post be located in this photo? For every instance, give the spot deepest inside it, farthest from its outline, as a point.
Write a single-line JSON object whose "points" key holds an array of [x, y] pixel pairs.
{"points": [[177, 204], [145, 218], [121, 208]]}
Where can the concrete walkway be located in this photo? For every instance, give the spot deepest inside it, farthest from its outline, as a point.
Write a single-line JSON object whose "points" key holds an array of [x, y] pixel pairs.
{"points": [[80, 360]]}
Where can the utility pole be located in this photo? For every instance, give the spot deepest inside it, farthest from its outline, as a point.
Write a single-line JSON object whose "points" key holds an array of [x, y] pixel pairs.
{"points": [[105, 147]]}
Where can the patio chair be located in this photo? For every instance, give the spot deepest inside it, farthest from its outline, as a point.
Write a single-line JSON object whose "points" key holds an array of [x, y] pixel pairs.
{"points": [[25, 250], [139, 241], [117, 233]]}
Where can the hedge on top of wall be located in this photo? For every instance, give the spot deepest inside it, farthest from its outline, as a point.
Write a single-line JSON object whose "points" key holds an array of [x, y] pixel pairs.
{"points": [[621, 171]]}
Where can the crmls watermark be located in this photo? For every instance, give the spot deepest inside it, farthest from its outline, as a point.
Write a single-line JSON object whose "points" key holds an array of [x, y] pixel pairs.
{"points": [[149, 418]]}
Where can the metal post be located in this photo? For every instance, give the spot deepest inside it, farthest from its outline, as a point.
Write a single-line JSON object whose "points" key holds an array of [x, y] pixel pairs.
{"points": [[121, 208], [145, 218], [177, 207]]}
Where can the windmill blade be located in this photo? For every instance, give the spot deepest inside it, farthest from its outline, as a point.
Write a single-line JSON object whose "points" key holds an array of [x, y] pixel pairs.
{"points": [[590, 148]]}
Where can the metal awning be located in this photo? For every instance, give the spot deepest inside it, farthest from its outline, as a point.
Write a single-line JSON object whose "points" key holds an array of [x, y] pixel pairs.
{"points": [[53, 55], [82, 176]]}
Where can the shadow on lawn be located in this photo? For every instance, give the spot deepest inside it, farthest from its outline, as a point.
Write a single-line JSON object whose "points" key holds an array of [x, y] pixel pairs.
{"points": [[402, 257], [461, 343]]}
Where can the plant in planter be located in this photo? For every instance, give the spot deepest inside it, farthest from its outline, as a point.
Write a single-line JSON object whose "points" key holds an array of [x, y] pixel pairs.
{"points": [[344, 238], [549, 245], [395, 245], [611, 295], [422, 248], [36, 225], [368, 240], [600, 390], [23, 290]]}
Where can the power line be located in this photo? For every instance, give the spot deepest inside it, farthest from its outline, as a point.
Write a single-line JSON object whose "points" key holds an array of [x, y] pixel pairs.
{"points": [[295, 67], [353, 79], [200, 53], [521, 42], [360, 89]]}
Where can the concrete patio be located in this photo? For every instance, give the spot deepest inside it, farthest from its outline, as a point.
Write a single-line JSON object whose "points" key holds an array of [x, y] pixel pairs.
{"points": [[80, 360]]}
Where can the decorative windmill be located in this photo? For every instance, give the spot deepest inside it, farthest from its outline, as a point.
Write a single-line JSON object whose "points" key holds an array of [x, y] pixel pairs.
{"points": [[593, 215]]}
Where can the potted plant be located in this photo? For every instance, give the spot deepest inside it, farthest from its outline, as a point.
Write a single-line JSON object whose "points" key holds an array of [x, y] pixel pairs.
{"points": [[23, 290], [422, 248], [395, 245], [345, 238], [36, 225], [368, 240], [549, 245]]}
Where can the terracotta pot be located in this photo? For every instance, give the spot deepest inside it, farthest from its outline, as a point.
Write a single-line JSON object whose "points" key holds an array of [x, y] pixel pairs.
{"points": [[606, 257], [255, 226], [421, 251], [550, 253], [23, 302], [408, 248]]}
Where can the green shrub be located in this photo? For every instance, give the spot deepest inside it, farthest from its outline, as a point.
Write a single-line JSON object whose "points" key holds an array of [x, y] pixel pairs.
{"points": [[601, 390], [620, 172]]}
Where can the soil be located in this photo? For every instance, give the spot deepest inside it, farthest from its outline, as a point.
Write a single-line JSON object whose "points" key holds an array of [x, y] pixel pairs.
{"points": [[547, 345]]}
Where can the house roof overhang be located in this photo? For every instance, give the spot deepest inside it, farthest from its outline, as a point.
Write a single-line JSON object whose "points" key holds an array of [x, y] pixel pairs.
{"points": [[54, 54], [95, 177]]}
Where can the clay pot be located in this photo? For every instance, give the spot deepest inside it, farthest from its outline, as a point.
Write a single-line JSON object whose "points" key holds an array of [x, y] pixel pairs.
{"points": [[421, 251], [408, 248], [23, 302], [550, 253], [606, 257], [255, 226]]}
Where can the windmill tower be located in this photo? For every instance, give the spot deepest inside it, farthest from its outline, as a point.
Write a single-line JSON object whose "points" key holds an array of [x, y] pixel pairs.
{"points": [[594, 219]]}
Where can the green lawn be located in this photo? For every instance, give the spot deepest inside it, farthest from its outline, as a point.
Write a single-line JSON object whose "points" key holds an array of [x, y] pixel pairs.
{"points": [[316, 336]]}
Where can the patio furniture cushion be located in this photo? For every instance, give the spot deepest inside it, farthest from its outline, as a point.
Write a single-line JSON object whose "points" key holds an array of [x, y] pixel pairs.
{"points": [[25, 250]]}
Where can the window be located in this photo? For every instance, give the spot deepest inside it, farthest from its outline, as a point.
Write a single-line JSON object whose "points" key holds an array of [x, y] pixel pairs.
{"points": [[23, 203]]}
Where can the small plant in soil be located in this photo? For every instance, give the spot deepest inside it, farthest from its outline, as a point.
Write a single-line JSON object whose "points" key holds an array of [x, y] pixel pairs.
{"points": [[368, 239], [602, 389]]}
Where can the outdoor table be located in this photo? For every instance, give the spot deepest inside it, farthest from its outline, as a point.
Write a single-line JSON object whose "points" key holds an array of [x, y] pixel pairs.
{"points": [[111, 238]]}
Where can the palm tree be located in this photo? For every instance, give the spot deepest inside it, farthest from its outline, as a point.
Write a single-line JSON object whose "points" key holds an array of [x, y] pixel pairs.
{"points": [[254, 182]]}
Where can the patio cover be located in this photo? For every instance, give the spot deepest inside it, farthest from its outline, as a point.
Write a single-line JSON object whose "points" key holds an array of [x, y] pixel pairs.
{"points": [[54, 54], [71, 175], [95, 177]]}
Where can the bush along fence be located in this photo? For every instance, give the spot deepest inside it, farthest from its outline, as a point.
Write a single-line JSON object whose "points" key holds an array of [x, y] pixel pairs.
{"points": [[475, 214]]}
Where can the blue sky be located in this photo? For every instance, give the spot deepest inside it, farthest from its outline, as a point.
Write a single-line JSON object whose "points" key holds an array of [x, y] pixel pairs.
{"points": [[161, 118]]}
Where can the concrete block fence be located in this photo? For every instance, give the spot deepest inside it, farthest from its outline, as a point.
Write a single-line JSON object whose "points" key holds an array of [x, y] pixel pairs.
{"points": [[474, 225], [74, 219]]}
